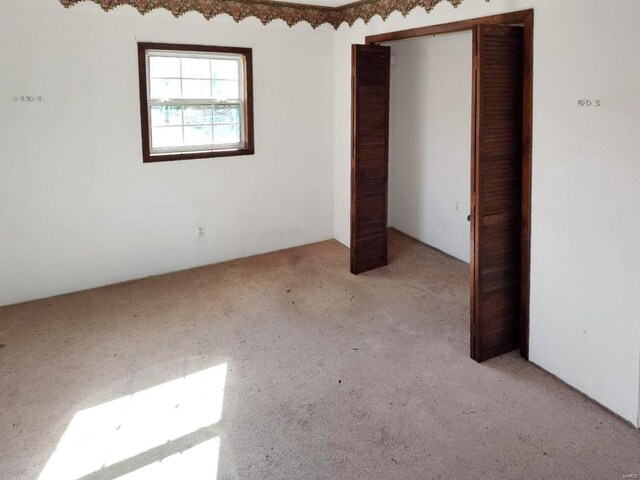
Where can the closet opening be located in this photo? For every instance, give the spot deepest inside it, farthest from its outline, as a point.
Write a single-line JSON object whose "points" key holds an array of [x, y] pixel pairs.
{"points": [[499, 170]]}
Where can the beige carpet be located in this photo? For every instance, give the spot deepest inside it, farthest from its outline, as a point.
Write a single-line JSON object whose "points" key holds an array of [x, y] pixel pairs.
{"points": [[328, 376]]}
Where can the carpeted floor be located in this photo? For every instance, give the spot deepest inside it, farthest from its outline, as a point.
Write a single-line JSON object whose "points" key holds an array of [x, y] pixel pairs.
{"points": [[325, 376]]}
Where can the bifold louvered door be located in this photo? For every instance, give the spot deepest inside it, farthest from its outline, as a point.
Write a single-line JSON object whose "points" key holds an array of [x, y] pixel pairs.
{"points": [[497, 190], [369, 156]]}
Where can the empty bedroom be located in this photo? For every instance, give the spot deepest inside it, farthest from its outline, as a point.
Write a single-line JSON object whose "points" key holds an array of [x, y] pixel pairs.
{"points": [[247, 239]]}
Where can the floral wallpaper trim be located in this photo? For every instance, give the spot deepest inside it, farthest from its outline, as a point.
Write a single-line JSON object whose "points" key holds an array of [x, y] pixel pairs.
{"points": [[367, 9], [267, 10]]}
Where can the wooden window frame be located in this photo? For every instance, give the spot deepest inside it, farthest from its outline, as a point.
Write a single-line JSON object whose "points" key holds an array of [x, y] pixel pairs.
{"points": [[247, 149]]}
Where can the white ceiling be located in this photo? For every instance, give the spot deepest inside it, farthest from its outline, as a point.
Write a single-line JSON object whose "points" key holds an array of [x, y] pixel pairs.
{"points": [[324, 3]]}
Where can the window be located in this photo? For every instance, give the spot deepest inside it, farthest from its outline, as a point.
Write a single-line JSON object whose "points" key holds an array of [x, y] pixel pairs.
{"points": [[195, 101]]}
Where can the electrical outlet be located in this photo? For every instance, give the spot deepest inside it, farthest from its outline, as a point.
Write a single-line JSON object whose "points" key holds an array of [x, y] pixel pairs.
{"points": [[200, 231]]}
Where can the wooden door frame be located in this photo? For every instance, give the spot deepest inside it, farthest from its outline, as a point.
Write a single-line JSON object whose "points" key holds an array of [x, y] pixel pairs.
{"points": [[524, 18]]}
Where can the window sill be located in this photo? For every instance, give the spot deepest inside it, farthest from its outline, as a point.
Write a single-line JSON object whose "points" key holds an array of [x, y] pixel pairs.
{"points": [[168, 157]]}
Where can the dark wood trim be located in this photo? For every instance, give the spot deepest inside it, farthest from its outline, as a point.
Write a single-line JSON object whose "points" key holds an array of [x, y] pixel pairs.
{"points": [[144, 109], [526, 19], [147, 157], [527, 163], [475, 253], [180, 47], [170, 157], [512, 18], [354, 196]]}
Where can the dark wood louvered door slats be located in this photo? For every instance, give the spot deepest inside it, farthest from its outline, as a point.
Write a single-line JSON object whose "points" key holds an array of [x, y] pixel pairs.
{"points": [[369, 156], [497, 190]]}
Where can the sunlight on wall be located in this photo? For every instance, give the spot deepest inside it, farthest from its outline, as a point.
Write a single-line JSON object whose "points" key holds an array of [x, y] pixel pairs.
{"points": [[151, 429]]}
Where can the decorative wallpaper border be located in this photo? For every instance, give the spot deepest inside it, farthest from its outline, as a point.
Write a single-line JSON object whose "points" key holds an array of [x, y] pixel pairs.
{"points": [[367, 9], [266, 10]]}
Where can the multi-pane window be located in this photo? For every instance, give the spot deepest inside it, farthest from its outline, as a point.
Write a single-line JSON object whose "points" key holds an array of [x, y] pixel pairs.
{"points": [[196, 101]]}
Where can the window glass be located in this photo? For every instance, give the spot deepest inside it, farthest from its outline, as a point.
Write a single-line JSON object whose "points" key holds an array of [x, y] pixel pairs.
{"points": [[196, 101]]}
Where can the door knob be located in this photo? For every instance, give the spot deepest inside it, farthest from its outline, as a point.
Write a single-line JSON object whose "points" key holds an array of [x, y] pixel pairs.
{"points": [[468, 218]]}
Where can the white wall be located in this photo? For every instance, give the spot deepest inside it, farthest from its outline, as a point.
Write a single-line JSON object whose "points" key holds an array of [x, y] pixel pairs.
{"points": [[430, 141], [78, 208], [585, 314]]}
